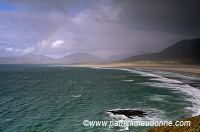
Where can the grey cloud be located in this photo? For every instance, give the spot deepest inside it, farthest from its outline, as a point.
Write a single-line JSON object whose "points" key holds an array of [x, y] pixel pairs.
{"points": [[29, 26], [118, 27], [51, 5], [177, 16]]}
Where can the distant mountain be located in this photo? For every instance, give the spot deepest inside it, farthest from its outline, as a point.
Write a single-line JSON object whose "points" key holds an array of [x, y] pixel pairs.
{"points": [[5, 61], [41, 59], [186, 50], [33, 58], [26, 59], [13, 57], [118, 57], [124, 56], [79, 58]]}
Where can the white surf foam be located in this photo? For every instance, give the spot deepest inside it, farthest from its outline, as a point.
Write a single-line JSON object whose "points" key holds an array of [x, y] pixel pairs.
{"points": [[174, 84], [76, 96], [194, 93], [101, 67], [185, 88], [158, 97], [131, 80], [152, 115], [167, 80]]}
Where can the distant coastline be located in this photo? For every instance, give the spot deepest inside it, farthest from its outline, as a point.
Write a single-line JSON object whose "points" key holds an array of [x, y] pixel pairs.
{"points": [[179, 68]]}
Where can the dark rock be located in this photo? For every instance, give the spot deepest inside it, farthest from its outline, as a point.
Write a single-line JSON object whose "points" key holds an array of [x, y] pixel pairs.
{"points": [[128, 113]]}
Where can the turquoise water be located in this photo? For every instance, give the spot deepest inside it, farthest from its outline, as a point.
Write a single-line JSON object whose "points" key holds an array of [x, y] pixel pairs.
{"points": [[39, 98]]}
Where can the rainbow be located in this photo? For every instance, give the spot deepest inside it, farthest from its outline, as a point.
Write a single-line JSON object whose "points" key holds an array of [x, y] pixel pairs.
{"points": [[51, 37]]}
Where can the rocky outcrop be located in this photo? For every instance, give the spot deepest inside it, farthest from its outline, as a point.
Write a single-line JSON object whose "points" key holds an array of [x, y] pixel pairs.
{"points": [[127, 112]]}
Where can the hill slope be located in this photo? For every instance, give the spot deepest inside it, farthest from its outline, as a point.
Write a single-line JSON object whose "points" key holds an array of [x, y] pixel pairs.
{"points": [[5, 61], [33, 58], [78, 58], [41, 59], [26, 59], [186, 50]]}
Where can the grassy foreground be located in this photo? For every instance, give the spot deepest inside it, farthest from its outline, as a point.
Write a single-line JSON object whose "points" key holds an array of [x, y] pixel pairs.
{"points": [[194, 126]]}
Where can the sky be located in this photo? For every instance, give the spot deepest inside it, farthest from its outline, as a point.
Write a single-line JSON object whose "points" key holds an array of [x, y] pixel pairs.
{"points": [[103, 28]]}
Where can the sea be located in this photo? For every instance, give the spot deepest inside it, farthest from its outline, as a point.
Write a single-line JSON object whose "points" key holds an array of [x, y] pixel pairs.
{"points": [[46, 98]]}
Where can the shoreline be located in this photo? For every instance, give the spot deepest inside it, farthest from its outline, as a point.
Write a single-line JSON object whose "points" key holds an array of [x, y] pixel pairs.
{"points": [[183, 69], [189, 70]]}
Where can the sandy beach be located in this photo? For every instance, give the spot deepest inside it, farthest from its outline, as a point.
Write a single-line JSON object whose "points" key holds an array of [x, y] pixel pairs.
{"points": [[188, 69]]}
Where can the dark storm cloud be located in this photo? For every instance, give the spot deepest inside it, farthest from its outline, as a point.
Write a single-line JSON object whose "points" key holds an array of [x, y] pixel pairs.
{"points": [[100, 27], [177, 16]]}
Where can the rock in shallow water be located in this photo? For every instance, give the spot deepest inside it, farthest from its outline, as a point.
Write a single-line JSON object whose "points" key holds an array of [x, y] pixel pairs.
{"points": [[128, 113]]}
